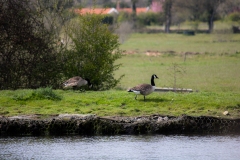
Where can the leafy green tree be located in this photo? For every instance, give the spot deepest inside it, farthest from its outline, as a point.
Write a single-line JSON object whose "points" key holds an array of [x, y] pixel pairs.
{"points": [[30, 46], [204, 10], [93, 52], [210, 9]]}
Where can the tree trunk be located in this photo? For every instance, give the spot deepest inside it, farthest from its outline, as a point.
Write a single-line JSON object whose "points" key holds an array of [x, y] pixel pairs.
{"points": [[211, 22], [168, 14], [168, 23], [134, 13]]}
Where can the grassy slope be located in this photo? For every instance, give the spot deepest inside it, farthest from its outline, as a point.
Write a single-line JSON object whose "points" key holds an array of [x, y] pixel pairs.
{"points": [[122, 103], [214, 72]]}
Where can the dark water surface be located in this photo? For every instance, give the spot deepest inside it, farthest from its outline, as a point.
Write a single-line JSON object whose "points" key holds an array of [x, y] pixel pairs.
{"points": [[127, 147]]}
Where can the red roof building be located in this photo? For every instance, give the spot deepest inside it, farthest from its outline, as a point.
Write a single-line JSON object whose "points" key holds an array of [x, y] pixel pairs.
{"points": [[96, 11], [138, 10]]}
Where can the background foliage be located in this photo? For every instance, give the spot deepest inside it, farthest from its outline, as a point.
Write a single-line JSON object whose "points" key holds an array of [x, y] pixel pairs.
{"points": [[35, 51]]}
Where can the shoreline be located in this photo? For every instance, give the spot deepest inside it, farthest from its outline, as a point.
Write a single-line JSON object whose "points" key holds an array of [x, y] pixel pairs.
{"points": [[78, 124]]}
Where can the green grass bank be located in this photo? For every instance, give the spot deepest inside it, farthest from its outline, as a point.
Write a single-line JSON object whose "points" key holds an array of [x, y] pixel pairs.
{"points": [[120, 103]]}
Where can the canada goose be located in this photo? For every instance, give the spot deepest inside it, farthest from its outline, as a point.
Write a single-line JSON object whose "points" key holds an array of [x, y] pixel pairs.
{"points": [[76, 82], [144, 89]]}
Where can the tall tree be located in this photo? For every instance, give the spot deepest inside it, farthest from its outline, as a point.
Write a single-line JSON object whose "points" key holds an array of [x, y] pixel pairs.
{"points": [[193, 8], [228, 7], [29, 48], [211, 7], [199, 8], [134, 12], [167, 8]]}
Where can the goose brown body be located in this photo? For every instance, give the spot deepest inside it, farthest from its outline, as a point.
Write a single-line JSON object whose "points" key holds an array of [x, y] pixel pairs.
{"points": [[76, 82], [144, 89]]}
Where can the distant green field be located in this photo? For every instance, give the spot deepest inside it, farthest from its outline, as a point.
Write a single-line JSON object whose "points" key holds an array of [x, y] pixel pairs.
{"points": [[211, 66], [225, 26], [179, 43], [208, 66], [212, 73]]}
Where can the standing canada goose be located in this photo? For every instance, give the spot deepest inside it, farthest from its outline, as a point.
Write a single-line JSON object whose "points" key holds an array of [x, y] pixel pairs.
{"points": [[76, 82], [144, 89]]}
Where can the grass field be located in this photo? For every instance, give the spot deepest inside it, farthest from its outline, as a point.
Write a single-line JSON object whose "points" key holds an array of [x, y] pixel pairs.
{"points": [[208, 66], [211, 67], [211, 73], [179, 43]]}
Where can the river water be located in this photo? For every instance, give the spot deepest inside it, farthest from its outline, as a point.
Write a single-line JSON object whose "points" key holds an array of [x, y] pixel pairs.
{"points": [[127, 147]]}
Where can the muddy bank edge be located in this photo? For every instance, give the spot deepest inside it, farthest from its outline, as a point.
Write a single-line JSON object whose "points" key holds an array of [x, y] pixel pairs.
{"points": [[77, 124]]}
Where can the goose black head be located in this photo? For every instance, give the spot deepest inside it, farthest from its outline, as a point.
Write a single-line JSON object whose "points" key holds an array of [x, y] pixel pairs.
{"points": [[154, 76], [89, 83]]}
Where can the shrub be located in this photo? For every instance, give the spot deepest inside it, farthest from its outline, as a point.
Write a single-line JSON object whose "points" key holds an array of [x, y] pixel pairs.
{"points": [[149, 18], [123, 17], [45, 93], [38, 94], [93, 52], [235, 17]]}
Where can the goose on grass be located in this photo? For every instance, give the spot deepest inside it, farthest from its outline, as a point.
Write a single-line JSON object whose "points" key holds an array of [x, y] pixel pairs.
{"points": [[144, 89], [76, 82]]}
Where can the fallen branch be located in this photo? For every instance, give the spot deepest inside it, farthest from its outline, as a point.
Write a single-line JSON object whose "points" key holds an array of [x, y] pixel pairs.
{"points": [[173, 90]]}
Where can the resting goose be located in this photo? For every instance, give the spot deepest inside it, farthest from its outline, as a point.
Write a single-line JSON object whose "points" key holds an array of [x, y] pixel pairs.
{"points": [[77, 82], [144, 89]]}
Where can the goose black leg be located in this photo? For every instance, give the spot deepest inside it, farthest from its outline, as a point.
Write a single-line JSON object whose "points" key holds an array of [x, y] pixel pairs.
{"points": [[136, 97]]}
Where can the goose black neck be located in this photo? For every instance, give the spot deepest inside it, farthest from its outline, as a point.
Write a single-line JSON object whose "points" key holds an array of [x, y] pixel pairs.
{"points": [[152, 81]]}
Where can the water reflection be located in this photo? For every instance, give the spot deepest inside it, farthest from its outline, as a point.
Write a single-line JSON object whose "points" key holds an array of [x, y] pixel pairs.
{"points": [[121, 147]]}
